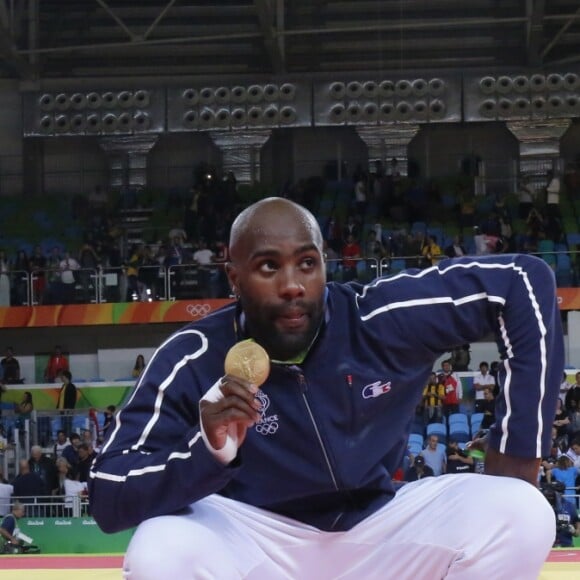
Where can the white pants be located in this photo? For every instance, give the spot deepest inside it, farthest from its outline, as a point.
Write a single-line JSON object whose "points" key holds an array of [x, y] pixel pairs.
{"points": [[461, 527]]}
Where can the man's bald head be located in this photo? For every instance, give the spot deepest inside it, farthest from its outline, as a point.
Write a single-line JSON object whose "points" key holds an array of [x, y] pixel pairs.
{"points": [[277, 213]]}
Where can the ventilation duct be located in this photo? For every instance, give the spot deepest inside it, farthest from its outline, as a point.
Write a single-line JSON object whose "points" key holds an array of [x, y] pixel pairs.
{"points": [[403, 111], [46, 124], [124, 122], [239, 95], [62, 102], [353, 113], [93, 123], [271, 115], [46, 102], [238, 117], [142, 98], [254, 115], [354, 90], [206, 96], [141, 121], [539, 105], [338, 114], [521, 84], [125, 99], [487, 85], [420, 110], [505, 107], [206, 118], [78, 101], [109, 101], [255, 94], [222, 95], [387, 112], [436, 109], [191, 97], [386, 89], [370, 112], [538, 83], [571, 81], [271, 93], [420, 87], [61, 124], [288, 92], [190, 119], [522, 106], [555, 105], [370, 90], [571, 104], [94, 100], [222, 118], [403, 88], [555, 82], [488, 108], [436, 87], [78, 123], [337, 91], [110, 123], [504, 85], [288, 115]]}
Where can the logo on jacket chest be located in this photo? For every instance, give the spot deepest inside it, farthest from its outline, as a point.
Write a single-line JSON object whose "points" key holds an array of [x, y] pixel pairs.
{"points": [[376, 389], [268, 424]]}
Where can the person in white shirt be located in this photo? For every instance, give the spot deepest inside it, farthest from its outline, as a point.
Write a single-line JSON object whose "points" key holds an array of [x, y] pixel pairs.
{"points": [[207, 275], [481, 381], [6, 491]]}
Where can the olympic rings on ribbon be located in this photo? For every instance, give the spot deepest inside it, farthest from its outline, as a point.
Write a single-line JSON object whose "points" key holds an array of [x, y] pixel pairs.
{"points": [[198, 310]]}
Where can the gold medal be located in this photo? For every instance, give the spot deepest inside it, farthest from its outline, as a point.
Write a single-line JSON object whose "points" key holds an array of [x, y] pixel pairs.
{"points": [[248, 360]]}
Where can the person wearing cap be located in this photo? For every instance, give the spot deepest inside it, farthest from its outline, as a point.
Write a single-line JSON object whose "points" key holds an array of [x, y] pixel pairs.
{"points": [[418, 470]]}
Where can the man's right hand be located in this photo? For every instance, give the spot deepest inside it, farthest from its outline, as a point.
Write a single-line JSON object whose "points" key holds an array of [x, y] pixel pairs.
{"points": [[237, 407]]}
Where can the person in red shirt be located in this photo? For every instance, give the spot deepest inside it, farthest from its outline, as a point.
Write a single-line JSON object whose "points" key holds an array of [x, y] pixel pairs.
{"points": [[56, 364], [350, 253], [453, 389]]}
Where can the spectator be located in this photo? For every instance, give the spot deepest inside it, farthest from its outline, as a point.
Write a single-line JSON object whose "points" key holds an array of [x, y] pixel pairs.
{"points": [[431, 251], [418, 470], [44, 467], [460, 358], [6, 491], [456, 249], [139, 366], [434, 455], [350, 253], [565, 386], [28, 485], [4, 279], [55, 365], [86, 456], [488, 409], [23, 410], [453, 389], [481, 381], [561, 423], [70, 452], [567, 522], [10, 368], [433, 397], [61, 443], [109, 418], [572, 399], [8, 528], [37, 265], [69, 271], [67, 400], [565, 473], [457, 460]]}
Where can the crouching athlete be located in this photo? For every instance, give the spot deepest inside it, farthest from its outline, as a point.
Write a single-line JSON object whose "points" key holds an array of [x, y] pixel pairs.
{"points": [[293, 480]]}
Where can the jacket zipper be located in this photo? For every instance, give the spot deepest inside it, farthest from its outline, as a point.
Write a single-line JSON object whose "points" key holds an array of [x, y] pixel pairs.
{"points": [[303, 387]]}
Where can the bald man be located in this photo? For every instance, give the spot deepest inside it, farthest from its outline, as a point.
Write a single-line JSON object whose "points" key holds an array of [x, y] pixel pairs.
{"points": [[293, 479]]}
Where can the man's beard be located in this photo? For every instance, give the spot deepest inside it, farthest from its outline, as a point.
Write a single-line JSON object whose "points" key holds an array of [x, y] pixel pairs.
{"points": [[282, 345]]}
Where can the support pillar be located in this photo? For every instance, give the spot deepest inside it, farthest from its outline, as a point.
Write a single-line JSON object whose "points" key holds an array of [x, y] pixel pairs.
{"points": [[241, 152], [388, 142], [539, 148]]}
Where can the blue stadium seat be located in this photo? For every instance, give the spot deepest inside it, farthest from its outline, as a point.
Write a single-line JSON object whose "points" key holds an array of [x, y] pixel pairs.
{"points": [[438, 429], [460, 434], [475, 420]]}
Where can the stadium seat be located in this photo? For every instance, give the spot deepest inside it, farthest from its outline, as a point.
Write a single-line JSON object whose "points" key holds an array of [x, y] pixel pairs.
{"points": [[458, 419], [460, 434], [416, 438], [438, 429], [475, 420]]}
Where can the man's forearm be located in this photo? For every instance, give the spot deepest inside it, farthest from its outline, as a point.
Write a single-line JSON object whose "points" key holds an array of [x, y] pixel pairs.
{"points": [[497, 463]]}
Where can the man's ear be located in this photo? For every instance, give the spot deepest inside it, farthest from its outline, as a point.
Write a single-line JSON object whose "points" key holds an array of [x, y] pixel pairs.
{"points": [[232, 275]]}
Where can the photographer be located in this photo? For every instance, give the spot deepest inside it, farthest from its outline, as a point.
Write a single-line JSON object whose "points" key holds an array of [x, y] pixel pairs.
{"points": [[567, 522]]}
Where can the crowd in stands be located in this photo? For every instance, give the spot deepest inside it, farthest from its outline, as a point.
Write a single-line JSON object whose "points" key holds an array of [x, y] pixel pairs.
{"points": [[372, 222]]}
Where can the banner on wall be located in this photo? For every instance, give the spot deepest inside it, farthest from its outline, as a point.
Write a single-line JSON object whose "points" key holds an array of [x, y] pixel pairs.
{"points": [[110, 313], [568, 298]]}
